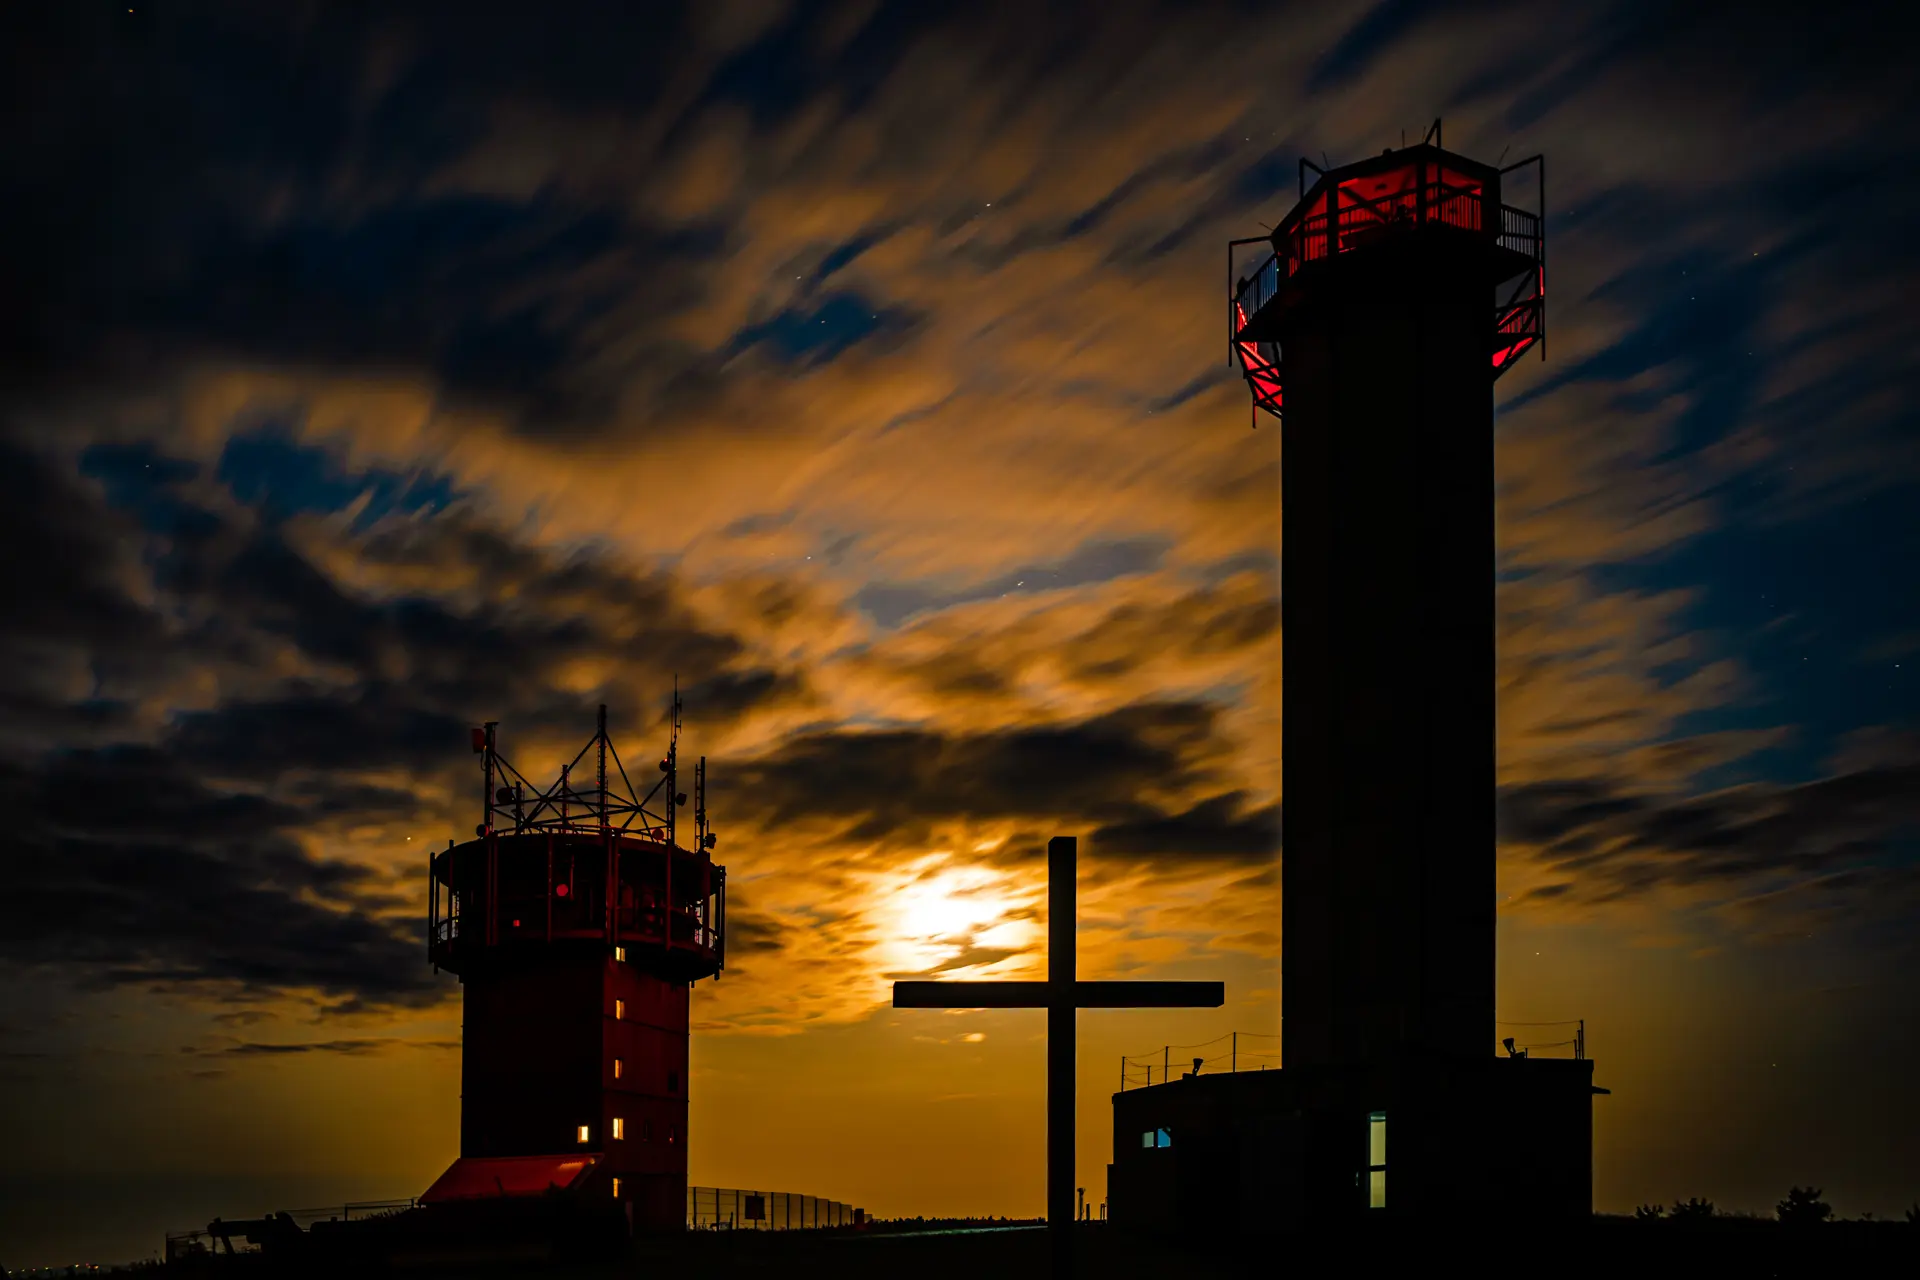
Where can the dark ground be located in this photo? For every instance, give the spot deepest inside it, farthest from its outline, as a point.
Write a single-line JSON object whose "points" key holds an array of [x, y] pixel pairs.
{"points": [[1610, 1247]]}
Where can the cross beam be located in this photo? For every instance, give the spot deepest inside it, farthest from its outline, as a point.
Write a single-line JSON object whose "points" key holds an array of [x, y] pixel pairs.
{"points": [[1062, 995]]}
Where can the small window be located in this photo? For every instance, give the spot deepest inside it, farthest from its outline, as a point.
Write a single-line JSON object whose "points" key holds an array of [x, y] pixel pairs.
{"points": [[619, 1010], [1161, 1138], [1377, 1160], [616, 1188], [619, 1128], [617, 1066], [581, 1133], [1146, 1139], [619, 953], [673, 1082]]}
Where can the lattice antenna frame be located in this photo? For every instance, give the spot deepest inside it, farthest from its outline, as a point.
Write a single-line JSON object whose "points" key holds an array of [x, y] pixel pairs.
{"points": [[613, 806]]}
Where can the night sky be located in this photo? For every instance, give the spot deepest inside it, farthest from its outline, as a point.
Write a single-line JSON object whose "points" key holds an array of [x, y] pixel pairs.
{"points": [[370, 371]]}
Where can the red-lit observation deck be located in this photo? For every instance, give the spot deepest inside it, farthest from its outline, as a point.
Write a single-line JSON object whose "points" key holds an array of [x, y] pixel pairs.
{"points": [[1416, 191], [594, 865]]}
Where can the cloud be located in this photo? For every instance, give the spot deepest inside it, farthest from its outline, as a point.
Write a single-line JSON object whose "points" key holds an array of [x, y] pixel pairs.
{"points": [[353, 1047], [1847, 838]]}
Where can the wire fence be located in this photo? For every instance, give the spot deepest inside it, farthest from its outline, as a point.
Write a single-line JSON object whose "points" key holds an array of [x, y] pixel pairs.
{"points": [[1233, 1051], [1260, 1051], [733, 1209], [1520, 1045]]}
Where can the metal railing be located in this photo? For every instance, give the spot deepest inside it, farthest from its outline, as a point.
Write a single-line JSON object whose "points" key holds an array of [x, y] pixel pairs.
{"points": [[1576, 1047], [735, 1209], [1234, 1051]]}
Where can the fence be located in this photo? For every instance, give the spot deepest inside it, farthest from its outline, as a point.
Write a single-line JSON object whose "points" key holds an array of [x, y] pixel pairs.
{"points": [[732, 1209], [1234, 1051], [1257, 1051], [1520, 1047]]}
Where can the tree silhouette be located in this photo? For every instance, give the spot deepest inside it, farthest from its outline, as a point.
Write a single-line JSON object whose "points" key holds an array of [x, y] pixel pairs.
{"points": [[1692, 1209], [1650, 1212], [1803, 1204], [1913, 1213]]}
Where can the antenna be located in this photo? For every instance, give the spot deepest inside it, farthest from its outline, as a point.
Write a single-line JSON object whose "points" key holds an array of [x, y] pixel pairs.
{"points": [[1433, 135], [675, 798], [702, 836], [600, 740]]}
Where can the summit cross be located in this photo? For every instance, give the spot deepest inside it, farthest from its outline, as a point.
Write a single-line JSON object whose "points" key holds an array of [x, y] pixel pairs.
{"points": [[1062, 995]]}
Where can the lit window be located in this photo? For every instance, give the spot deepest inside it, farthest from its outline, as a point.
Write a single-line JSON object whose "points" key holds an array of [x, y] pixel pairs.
{"points": [[616, 1068], [619, 1128], [619, 953], [1146, 1139], [581, 1133], [1377, 1160], [616, 1188], [1161, 1138], [619, 1010]]}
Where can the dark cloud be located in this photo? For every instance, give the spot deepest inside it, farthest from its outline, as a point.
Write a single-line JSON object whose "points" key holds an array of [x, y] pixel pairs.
{"points": [[1606, 840], [1218, 827], [352, 1046], [124, 867], [884, 783]]}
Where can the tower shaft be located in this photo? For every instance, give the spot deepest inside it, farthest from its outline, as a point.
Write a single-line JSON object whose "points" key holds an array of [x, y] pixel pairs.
{"points": [[1388, 599]]}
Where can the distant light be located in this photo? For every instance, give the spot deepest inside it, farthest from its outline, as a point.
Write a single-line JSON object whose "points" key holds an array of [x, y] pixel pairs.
{"points": [[581, 1133], [560, 890]]}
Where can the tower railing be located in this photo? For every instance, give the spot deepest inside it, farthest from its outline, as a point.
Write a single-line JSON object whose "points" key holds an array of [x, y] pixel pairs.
{"points": [[1223, 1055]]}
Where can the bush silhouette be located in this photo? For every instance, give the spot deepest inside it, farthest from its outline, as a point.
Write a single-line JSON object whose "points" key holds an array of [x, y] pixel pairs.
{"points": [[1802, 1205], [1649, 1212], [1913, 1214], [1692, 1209]]}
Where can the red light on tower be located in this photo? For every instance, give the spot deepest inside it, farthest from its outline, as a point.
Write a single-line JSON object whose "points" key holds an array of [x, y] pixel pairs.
{"points": [[1387, 204]]}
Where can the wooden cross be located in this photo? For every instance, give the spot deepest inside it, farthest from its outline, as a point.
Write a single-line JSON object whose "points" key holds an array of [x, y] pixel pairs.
{"points": [[1062, 995]]}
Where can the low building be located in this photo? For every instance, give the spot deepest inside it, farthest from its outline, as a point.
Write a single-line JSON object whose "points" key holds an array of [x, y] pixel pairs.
{"points": [[1271, 1151]]}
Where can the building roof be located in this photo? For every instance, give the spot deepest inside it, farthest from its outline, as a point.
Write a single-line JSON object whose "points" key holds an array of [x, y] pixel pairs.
{"points": [[478, 1178]]}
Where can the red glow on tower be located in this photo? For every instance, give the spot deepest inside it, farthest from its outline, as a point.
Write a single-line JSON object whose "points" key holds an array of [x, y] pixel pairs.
{"points": [[1417, 191]]}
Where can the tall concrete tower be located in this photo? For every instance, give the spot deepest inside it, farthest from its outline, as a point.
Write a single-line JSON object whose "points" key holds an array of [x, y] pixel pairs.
{"points": [[1397, 290]]}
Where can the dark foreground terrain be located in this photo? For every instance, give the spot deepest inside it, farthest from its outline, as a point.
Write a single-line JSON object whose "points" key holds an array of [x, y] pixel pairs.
{"points": [[1610, 1247]]}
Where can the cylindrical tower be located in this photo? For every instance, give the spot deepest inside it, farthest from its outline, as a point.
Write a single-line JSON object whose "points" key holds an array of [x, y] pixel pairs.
{"points": [[577, 925], [1395, 292]]}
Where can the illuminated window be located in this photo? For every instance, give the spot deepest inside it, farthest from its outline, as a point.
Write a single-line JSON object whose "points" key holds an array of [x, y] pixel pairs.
{"points": [[1146, 1139], [619, 1128], [616, 1068], [581, 1133], [619, 1010], [619, 953], [616, 1188], [1156, 1138], [1377, 1160]]}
